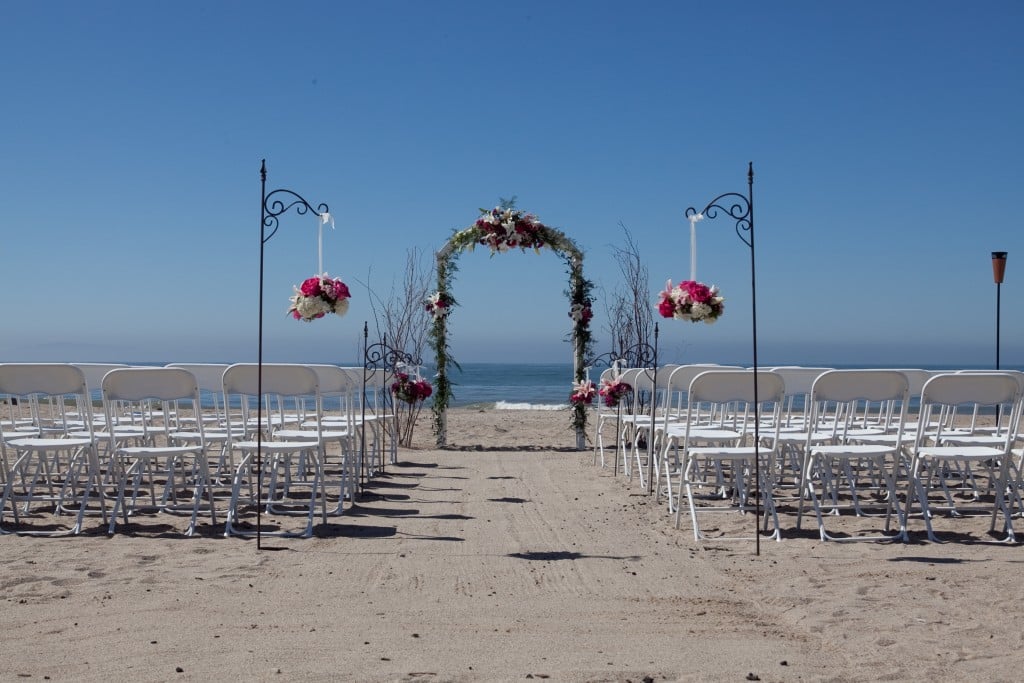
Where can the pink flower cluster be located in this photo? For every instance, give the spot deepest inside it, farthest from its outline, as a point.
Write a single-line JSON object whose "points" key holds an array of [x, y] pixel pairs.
{"points": [[613, 391], [583, 393], [411, 390], [318, 296], [691, 300], [504, 229], [581, 313], [438, 305]]}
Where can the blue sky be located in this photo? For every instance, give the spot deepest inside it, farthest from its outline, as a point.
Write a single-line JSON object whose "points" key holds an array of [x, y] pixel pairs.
{"points": [[885, 138]]}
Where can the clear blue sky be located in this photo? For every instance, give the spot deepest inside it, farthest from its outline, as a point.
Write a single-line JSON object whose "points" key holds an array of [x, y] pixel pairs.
{"points": [[886, 140]]}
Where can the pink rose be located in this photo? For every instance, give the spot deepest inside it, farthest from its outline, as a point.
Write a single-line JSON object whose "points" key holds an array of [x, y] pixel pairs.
{"points": [[341, 290], [423, 389], [666, 307], [699, 292], [311, 287]]}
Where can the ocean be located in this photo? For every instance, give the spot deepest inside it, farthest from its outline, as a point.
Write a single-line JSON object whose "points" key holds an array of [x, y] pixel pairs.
{"points": [[536, 386]]}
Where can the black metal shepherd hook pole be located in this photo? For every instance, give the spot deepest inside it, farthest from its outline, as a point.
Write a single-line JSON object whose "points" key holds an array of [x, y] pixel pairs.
{"points": [[741, 209], [386, 359], [272, 205], [645, 355]]}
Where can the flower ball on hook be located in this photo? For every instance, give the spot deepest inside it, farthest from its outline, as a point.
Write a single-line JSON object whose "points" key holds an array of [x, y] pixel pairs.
{"points": [[318, 296]]}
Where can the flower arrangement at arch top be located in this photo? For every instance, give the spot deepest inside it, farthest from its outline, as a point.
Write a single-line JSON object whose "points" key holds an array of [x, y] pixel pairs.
{"points": [[613, 391], [438, 305], [506, 228], [410, 390], [318, 296], [581, 313], [583, 393], [691, 300]]}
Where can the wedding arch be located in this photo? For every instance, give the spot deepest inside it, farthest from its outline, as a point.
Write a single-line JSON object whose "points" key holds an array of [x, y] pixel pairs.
{"points": [[503, 229]]}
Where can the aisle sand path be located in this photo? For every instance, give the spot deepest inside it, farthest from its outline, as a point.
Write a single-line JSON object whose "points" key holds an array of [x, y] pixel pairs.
{"points": [[504, 563]]}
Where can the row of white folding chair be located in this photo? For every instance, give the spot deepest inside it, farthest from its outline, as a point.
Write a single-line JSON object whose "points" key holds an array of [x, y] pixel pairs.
{"points": [[112, 456], [838, 447], [281, 475], [229, 437], [155, 453], [292, 478], [342, 385], [48, 467], [830, 440], [655, 401], [840, 436], [671, 422], [948, 452], [723, 466], [924, 454], [605, 416]]}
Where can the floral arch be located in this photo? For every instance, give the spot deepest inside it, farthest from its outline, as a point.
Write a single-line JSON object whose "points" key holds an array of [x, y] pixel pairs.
{"points": [[502, 229]]}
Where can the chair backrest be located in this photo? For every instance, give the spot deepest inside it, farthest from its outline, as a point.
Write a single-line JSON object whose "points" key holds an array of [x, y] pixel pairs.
{"points": [[50, 384], [49, 379], [982, 388], [946, 393], [156, 384], [681, 377], [844, 386], [726, 399], [94, 372], [727, 386], [209, 376], [916, 378], [839, 396], [281, 379], [337, 383], [138, 387], [334, 380], [608, 374], [798, 379]]}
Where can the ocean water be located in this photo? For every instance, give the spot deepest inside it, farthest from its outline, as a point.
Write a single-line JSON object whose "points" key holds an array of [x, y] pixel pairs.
{"points": [[546, 386], [537, 386]]}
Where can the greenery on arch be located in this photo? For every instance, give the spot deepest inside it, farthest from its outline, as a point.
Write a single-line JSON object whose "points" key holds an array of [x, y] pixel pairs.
{"points": [[502, 229]]}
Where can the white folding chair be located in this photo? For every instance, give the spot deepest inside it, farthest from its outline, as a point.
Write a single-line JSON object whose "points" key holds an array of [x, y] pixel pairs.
{"points": [[335, 385], [721, 457], [182, 466], [210, 378], [281, 476], [839, 457], [94, 373], [671, 425], [49, 467], [603, 416], [943, 474]]}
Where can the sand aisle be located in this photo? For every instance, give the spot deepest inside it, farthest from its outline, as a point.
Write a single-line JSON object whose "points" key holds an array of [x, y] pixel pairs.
{"points": [[504, 565]]}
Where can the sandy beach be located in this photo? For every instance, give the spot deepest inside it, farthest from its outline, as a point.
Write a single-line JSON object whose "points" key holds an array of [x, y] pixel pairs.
{"points": [[507, 556]]}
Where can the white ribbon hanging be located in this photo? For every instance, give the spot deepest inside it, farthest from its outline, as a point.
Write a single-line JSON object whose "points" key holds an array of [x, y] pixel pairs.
{"points": [[694, 219], [322, 220]]}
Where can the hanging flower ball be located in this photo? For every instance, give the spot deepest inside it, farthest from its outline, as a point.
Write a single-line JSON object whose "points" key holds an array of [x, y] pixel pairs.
{"points": [[317, 296], [691, 300], [410, 390]]}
